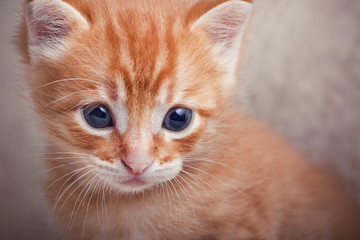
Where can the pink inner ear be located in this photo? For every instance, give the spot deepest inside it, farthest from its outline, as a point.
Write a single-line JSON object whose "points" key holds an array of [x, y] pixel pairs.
{"points": [[226, 33], [227, 29], [51, 25], [48, 30]]}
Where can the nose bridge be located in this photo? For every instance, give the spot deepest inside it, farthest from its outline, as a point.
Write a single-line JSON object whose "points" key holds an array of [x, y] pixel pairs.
{"points": [[137, 158], [138, 134], [137, 140]]}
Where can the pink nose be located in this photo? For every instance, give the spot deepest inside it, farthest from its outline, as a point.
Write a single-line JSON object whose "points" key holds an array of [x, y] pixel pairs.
{"points": [[136, 163], [135, 168]]}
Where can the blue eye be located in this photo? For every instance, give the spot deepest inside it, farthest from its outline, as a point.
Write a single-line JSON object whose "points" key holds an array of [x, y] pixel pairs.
{"points": [[177, 119], [98, 116]]}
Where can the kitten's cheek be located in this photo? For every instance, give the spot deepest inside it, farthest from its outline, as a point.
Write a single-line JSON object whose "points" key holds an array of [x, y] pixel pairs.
{"points": [[159, 173]]}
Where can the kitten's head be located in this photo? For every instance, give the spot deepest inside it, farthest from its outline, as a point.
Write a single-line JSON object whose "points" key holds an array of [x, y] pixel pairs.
{"points": [[132, 88]]}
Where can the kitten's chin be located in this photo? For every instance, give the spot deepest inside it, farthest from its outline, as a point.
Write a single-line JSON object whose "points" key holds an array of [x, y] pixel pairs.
{"points": [[134, 182], [134, 186], [127, 185]]}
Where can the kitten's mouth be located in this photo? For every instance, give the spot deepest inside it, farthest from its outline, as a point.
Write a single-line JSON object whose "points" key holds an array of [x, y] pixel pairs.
{"points": [[135, 182]]}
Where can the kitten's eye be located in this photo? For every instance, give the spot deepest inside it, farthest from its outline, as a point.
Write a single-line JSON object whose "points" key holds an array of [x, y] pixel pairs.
{"points": [[98, 116], [177, 119]]}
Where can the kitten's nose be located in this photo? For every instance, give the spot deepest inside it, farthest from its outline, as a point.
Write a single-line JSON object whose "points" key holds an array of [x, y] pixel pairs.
{"points": [[136, 163], [135, 168]]}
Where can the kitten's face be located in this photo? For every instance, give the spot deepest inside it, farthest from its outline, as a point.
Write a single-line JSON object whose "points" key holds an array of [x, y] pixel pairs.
{"points": [[139, 93]]}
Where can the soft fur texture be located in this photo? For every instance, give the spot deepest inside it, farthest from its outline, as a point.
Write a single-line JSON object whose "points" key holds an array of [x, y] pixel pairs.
{"points": [[225, 177]]}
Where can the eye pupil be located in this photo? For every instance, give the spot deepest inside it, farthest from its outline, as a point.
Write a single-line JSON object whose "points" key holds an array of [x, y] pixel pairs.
{"points": [[177, 119], [98, 116]]}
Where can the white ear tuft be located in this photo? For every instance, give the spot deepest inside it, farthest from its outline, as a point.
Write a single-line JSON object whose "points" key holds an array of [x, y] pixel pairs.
{"points": [[225, 26], [49, 23]]}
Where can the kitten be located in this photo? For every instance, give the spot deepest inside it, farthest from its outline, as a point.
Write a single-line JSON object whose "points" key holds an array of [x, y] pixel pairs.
{"points": [[143, 141]]}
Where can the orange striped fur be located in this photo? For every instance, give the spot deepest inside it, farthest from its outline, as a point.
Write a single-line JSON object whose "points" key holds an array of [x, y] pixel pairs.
{"points": [[226, 177]]}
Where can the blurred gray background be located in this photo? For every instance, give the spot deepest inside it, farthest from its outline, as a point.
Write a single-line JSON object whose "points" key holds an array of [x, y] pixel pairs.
{"points": [[301, 76]]}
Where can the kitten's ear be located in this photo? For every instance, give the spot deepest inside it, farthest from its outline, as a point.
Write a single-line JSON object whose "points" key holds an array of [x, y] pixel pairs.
{"points": [[224, 25], [49, 23]]}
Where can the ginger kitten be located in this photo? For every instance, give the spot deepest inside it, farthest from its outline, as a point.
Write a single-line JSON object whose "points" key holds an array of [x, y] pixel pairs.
{"points": [[143, 140]]}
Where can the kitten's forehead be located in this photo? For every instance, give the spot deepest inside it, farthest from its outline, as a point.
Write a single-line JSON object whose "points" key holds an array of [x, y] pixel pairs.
{"points": [[142, 63]]}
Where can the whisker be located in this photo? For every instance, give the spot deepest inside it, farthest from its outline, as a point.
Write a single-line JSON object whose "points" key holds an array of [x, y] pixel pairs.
{"points": [[195, 191], [202, 171], [63, 158], [177, 194], [97, 205], [169, 199], [56, 153], [68, 187], [196, 184], [186, 194], [59, 166], [87, 208], [206, 160], [73, 212], [103, 201], [65, 80], [69, 95], [55, 181], [202, 180]]}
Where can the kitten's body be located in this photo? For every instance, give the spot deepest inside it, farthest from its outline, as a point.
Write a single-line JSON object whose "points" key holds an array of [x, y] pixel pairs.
{"points": [[223, 177]]}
